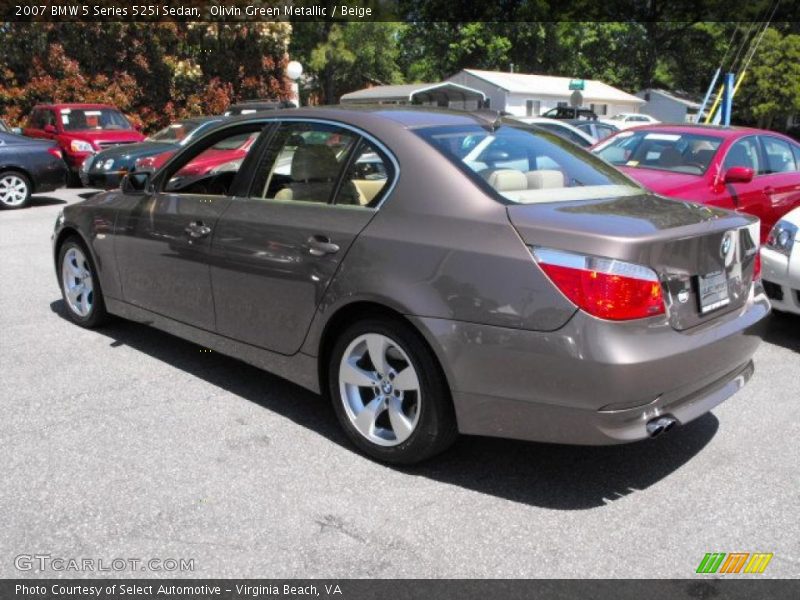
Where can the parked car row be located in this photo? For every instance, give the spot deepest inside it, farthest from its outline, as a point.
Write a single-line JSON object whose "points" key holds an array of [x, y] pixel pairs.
{"points": [[96, 145]]}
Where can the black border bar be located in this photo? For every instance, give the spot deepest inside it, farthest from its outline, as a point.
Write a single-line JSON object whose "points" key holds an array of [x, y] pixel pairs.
{"points": [[698, 588], [511, 11]]}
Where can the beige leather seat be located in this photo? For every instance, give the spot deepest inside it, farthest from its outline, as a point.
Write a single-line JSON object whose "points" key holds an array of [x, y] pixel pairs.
{"points": [[367, 189], [314, 170], [544, 179], [506, 180]]}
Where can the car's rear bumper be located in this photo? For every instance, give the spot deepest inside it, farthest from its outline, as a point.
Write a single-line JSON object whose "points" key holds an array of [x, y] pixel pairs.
{"points": [[781, 275], [51, 177], [592, 381]]}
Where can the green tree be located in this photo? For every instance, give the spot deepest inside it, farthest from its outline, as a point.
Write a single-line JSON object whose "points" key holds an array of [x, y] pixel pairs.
{"points": [[770, 90], [343, 57]]}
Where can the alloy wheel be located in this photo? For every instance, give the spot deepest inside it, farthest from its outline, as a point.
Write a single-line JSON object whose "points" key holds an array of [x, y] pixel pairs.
{"points": [[379, 389], [76, 276], [13, 190]]}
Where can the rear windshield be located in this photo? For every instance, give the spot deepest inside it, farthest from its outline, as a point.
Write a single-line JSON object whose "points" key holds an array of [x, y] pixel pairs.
{"points": [[525, 166], [79, 119], [679, 152]]}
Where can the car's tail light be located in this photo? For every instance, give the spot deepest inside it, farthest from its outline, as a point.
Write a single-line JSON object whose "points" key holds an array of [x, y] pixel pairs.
{"points": [[55, 151], [603, 287]]}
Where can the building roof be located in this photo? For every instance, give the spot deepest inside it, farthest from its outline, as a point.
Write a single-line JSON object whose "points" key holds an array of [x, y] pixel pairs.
{"points": [[413, 91], [551, 85], [681, 97]]}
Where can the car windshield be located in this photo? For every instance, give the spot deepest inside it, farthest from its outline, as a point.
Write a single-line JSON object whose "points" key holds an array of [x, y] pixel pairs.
{"points": [[236, 142], [668, 151], [79, 119], [176, 133], [525, 165]]}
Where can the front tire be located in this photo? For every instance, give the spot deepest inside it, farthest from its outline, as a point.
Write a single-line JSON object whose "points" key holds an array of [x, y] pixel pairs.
{"points": [[80, 287], [15, 190], [388, 393]]}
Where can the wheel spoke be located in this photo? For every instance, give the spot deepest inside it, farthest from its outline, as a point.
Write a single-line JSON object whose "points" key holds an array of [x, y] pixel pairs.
{"points": [[377, 346], [354, 375], [406, 380], [401, 425], [73, 293], [365, 421]]}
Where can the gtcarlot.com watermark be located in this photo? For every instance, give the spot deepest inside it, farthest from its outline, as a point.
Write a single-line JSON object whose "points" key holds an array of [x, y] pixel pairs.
{"points": [[43, 563]]}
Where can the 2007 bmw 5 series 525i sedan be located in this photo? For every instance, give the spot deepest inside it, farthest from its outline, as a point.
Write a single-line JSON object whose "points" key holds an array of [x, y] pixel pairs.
{"points": [[433, 272]]}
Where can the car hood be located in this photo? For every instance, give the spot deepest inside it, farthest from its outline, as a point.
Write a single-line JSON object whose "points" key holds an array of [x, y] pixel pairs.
{"points": [[666, 182], [105, 136]]}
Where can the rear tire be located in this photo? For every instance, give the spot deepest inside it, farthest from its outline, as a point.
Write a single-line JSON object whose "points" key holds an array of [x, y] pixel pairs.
{"points": [[15, 189], [389, 393], [80, 286]]}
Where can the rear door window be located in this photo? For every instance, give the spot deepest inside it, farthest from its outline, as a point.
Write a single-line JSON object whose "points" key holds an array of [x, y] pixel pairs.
{"points": [[778, 155], [304, 163], [366, 181]]}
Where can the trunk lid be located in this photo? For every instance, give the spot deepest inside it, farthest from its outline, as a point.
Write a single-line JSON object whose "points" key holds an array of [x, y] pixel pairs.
{"points": [[693, 248]]}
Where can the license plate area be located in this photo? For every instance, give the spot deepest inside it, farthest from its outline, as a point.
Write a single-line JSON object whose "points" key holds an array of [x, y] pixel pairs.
{"points": [[712, 291]]}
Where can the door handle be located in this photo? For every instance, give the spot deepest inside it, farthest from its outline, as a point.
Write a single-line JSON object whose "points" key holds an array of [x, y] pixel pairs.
{"points": [[319, 245], [197, 230], [769, 190]]}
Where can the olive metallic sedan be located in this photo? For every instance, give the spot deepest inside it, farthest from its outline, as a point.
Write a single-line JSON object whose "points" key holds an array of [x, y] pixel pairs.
{"points": [[432, 272]]}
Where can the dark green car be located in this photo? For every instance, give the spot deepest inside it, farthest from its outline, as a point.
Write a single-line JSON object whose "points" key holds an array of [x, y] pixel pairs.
{"points": [[106, 169]]}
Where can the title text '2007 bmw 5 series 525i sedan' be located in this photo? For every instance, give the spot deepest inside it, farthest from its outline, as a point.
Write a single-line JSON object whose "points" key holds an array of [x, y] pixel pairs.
{"points": [[433, 272]]}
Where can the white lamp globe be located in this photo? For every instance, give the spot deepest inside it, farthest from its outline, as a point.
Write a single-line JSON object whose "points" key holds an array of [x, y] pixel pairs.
{"points": [[293, 70]]}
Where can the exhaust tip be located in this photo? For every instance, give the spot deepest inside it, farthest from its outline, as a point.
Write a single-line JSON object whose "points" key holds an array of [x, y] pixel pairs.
{"points": [[659, 425]]}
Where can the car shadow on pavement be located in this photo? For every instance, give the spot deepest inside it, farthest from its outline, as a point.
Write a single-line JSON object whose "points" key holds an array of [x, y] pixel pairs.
{"points": [[45, 201], [783, 329], [546, 475]]}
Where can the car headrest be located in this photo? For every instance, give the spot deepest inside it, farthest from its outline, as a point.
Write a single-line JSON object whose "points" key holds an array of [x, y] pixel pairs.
{"points": [[670, 157], [504, 180], [314, 163], [544, 179]]}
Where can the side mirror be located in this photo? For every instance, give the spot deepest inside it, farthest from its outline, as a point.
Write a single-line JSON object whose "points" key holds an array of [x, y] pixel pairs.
{"points": [[739, 175], [135, 183], [50, 129]]}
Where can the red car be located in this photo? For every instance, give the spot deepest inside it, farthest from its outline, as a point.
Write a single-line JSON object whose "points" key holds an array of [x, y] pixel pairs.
{"points": [[228, 150], [81, 129], [747, 170]]}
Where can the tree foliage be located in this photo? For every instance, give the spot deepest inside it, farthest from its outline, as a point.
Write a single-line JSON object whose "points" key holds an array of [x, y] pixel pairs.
{"points": [[155, 72], [161, 71]]}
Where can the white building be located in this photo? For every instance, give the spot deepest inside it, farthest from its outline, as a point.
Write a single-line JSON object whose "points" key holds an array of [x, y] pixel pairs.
{"points": [[522, 94], [446, 94], [669, 107]]}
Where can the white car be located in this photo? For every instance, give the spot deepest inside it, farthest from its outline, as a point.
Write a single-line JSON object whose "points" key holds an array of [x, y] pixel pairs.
{"points": [[625, 120], [780, 263], [561, 129]]}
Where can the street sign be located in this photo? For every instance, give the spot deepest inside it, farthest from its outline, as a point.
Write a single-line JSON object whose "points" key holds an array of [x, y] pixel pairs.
{"points": [[576, 99], [577, 84]]}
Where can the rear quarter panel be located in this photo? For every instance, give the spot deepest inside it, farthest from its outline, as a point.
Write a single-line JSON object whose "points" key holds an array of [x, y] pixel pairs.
{"points": [[440, 247]]}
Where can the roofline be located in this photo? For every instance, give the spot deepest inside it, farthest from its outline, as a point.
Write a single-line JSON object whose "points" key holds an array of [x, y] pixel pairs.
{"points": [[474, 74], [446, 83]]}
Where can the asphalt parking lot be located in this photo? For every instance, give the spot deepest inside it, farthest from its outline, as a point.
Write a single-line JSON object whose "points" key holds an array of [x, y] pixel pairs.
{"points": [[128, 442]]}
